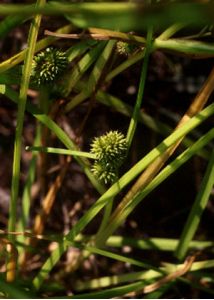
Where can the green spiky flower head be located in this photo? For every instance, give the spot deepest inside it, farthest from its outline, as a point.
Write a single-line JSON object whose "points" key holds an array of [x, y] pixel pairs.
{"points": [[110, 148], [110, 151], [104, 172], [48, 65]]}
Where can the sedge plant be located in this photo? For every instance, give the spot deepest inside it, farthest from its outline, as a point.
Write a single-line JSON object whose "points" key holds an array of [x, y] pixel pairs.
{"points": [[72, 71]]}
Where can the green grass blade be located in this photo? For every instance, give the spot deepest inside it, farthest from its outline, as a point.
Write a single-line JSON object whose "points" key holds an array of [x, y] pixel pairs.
{"points": [[197, 210], [118, 257], [185, 46], [26, 201], [60, 151], [111, 293], [103, 282], [134, 119], [170, 31], [33, 33], [26, 196], [106, 214], [160, 244]]}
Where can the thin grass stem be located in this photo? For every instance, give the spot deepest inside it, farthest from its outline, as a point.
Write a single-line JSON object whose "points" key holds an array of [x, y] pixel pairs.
{"points": [[135, 115], [197, 210], [33, 33], [60, 151]]}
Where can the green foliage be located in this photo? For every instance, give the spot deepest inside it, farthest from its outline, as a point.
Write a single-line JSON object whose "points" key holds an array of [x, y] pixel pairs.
{"points": [[84, 71]]}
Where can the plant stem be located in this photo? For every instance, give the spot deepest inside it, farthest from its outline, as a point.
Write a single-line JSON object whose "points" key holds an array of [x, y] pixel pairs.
{"points": [[197, 210], [33, 33], [27, 198], [60, 151], [170, 31], [160, 244], [135, 115], [186, 47]]}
